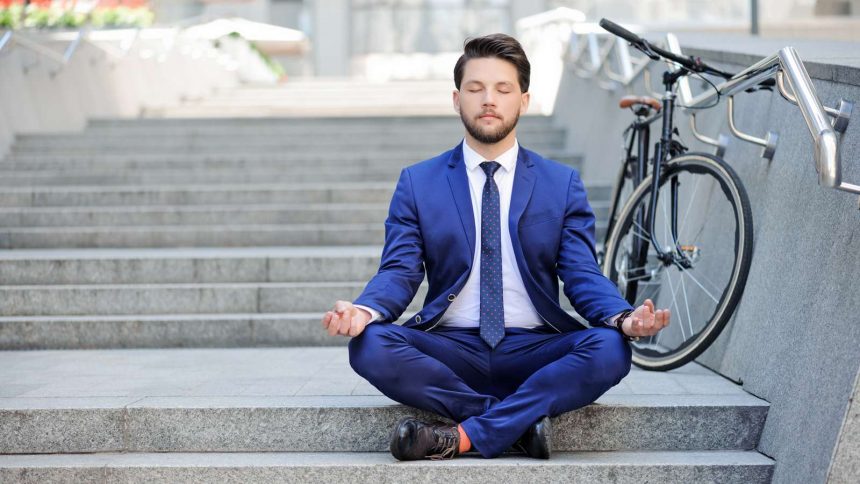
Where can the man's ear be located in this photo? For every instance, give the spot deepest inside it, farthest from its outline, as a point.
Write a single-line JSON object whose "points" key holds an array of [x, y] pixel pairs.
{"points": [[524, 105], [456, 100]]}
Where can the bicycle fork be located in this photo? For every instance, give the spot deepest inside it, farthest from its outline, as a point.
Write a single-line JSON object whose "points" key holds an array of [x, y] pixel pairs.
{"points": [[676, 254]]}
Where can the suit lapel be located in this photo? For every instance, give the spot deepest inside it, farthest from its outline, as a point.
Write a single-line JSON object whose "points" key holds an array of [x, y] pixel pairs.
{"points": [[459, 182], [524, 183]]}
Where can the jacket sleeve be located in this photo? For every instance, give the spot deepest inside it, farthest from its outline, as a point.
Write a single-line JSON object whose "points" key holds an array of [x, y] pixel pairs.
{"points": [[593, 296], [401, 269]]}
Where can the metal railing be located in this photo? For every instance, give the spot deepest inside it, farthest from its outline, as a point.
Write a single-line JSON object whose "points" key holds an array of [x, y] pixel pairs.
{"points": [[601, 49], [11, 38], [167, 38]]}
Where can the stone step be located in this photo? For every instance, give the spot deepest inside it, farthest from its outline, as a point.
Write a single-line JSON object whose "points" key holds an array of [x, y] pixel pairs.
{"points": [[668, 467], [244, 214], [183, 176], [191, 236], [449, 132], [196, 298], [151, 236], [406, 136], [267, 399], [335, 192], [445, 120], [236, 214], [403, 108], [189, 265], [237, 146], [425, 148], [324, 156], [288, 160], [206, 194], [449, 127], [447, 124], [167, 331]]}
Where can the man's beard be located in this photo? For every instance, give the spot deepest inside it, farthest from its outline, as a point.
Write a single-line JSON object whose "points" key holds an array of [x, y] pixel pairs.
{"points": [[492, 137]]}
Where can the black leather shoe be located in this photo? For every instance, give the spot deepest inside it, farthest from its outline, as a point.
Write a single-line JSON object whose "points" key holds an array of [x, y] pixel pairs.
{"points": [[537, 441], [413, 439]]}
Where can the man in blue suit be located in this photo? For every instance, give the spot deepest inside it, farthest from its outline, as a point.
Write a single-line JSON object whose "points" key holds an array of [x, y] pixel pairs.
{"points": [[494, 226]]}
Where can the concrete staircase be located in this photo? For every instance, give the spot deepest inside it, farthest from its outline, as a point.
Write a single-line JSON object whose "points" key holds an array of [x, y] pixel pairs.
{"points": [[172, 274]]}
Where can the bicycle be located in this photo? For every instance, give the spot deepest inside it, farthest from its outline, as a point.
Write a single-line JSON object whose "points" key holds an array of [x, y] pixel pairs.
{"points": [[693, 254]]}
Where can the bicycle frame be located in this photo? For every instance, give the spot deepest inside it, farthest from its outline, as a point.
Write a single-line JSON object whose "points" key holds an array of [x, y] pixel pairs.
{"points": [[641, 137]]}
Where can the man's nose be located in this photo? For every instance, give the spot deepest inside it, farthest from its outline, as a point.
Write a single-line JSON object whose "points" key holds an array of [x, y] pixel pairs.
{"points": [[489, 99]]}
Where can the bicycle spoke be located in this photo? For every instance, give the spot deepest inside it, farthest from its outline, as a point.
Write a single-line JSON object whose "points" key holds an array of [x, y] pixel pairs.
{"points": [[675, 303], [703, 287], [638, 278], [687, 213], [643, 237], [647, 234], [714, 287], [687, 304]]}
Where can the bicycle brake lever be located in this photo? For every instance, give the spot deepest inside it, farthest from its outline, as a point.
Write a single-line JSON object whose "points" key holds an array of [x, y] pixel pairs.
{"points": [[645, 48]]}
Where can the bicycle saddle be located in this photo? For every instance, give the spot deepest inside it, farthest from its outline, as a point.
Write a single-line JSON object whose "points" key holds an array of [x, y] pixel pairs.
{"points": [[628, 101]]}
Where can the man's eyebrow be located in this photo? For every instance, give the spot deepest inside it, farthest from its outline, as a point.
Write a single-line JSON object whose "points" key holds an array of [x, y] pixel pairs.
{"points": [[500, 83]]}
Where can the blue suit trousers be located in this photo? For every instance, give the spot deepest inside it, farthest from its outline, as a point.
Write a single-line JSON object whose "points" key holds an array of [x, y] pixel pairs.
{"points": [[495, 394]]}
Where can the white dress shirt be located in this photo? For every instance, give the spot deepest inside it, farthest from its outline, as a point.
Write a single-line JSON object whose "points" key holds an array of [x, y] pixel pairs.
{"points": [[465, 310]]}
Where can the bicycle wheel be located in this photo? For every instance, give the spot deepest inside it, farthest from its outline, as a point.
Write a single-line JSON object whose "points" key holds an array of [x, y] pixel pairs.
{"points": [[714, 232]]}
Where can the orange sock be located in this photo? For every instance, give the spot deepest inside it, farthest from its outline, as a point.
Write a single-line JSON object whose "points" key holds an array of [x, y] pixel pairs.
{"points": [[465, 443]]}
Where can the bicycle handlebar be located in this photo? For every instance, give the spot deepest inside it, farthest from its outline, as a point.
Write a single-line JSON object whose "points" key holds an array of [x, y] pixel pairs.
{"points": [[694, 64]]}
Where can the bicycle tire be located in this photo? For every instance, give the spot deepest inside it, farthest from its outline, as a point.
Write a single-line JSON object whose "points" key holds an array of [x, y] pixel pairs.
{"points": [[648, 354]]}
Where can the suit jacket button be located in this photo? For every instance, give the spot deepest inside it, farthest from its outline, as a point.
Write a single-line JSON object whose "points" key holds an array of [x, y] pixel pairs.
{"points": [[418, 318], [451, 297]]}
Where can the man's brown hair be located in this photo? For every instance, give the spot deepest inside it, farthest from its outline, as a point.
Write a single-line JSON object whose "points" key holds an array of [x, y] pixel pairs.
{"points": [[500, 46]]}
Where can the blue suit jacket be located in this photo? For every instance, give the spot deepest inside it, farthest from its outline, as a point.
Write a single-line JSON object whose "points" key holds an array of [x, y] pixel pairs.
{"points": [[431, 226]]}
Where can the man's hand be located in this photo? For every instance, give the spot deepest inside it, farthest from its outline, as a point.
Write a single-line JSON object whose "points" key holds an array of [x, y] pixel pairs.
{"points": [[644, 321], [345, 319]]}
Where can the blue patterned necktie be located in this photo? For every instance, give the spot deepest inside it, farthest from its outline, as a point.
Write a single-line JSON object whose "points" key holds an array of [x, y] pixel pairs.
{"points": [[492, 302]]}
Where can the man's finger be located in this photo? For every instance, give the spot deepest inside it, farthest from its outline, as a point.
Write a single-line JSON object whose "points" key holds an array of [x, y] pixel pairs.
{"points": [[664, 318], [649, 304], [346, 322], [326, 319], [335, 324]]}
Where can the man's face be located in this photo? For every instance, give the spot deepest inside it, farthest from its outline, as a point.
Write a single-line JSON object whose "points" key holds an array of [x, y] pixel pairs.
{"points": [[489, 100]]}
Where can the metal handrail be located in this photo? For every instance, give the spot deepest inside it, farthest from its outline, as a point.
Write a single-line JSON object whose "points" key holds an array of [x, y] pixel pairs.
{"points": [[585, 39], [828, 162], [842, 113], [631, 67], [12, 38]]}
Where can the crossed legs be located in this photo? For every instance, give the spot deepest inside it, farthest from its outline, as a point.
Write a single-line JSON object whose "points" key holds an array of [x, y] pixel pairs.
{"points": [[497, 394]]}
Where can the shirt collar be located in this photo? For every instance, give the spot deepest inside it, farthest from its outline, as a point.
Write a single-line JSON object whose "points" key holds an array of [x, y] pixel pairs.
{"points": [[508, 159]]}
